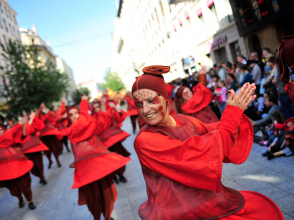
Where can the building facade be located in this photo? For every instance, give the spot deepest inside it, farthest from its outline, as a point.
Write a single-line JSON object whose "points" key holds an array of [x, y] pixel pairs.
{"points": [[31, 37], [180, 34], [8, 30], [263, 23], [64, 68]]}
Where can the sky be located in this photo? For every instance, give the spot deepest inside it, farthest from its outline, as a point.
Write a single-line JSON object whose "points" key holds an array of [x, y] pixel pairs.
{"points": [[88, 23]]}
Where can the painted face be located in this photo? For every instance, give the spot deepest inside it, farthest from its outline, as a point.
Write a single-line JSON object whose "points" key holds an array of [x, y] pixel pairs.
{"points": [[150, 106], [96, 107], [187, 94], [73, 115], [25, 118], [1, 131]]}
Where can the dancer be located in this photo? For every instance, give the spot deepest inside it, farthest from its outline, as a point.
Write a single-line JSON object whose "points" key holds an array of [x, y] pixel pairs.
{"points": [[116, 113], [14, 166], [93, 162], [51, 137], [32, 145], [112, 136], [132, 111], [181, 157], [196, 105]]}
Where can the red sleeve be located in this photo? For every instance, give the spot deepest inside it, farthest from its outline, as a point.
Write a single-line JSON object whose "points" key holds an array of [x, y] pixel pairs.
{"points": [[200, 156], [119, 117], [38, 124], [61, 109], [280, 126], [201, 98], [51, 118], [130, 102], [202, 79], [11, 136], [84, 106], [103, 121]]}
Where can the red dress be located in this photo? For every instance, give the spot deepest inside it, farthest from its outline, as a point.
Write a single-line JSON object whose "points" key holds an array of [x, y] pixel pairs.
{"points": [[13, 163], [131, 106], [183, 169], [92, 160], [118, 117], [197, 105]]}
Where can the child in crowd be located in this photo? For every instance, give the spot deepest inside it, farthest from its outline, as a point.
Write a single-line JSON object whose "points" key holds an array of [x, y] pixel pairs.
{"points": [[221, 94]]}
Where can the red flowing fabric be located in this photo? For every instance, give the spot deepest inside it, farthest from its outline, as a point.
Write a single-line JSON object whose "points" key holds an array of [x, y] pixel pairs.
{"points": [[119, 118], [110, 133], [169, 171], [197, 105], [32, 142], [80, 133], [13, 162], [131, 106], [49, 129]]}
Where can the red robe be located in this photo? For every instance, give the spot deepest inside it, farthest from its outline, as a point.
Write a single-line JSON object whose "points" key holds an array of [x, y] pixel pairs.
{"points": [[183, 169], [92, 160], [32, 142], [61, 123], [49, 128], [131, 106], [13, 162], [110, 133], [118, 117], [197, 105]]}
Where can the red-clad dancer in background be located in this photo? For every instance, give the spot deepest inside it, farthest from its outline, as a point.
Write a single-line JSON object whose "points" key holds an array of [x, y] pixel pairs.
{"points": [[112, 135], [51, 137], [131, 110], [181, 157], [93, 162], [196, 105], [62, 122], [14, 166], [32, 146]]}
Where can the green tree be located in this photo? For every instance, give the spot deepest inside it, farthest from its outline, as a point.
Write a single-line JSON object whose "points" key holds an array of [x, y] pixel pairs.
{"points": [[78, 94], [113, 81], [27, 81]]}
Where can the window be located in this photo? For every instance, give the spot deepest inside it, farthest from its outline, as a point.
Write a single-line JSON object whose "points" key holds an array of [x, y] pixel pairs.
{"points": [[9, 15], [156, 16], [214, 16], [161, 8], [1, 6], [149, 22], [5, 26], [14, 19], [33, 41], [5, 10], [4, 38], [202, 23], [229, 10], [10, 28]]}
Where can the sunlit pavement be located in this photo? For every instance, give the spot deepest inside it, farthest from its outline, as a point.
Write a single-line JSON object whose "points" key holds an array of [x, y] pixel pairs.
{"points": [[57, 201]]}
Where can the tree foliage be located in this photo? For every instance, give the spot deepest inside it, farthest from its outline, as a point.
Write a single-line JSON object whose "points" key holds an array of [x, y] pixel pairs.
{"points": [[113, 81], [27, 81], [78, 94]]}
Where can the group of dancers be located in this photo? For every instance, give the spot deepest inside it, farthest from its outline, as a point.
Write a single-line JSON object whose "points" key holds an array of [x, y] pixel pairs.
{"points": [[181, 155]]}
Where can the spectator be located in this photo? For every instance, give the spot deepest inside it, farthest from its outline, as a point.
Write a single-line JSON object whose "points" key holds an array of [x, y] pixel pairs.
{"points": [[255, 108], [247, 75], [255, 73], [221, 72], [267, 68], [212, 84], [229, 68], [241, 59], [271, 102], [284, 99], [232, 82], [239, 74], [221, 94], [254, 56], [272, 62], [266, 51]]}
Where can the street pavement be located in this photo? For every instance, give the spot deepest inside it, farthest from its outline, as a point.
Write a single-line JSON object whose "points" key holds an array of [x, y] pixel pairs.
{"points": [[57, 201]]}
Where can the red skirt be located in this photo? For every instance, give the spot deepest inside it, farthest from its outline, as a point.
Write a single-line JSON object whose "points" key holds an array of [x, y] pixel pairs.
{"points": [[39, 148], [115, 138], [12, 169]]}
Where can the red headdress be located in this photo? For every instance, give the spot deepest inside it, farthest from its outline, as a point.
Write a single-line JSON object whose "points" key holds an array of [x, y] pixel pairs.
{"points": [[286, 57], [152, 79], [96, 101]]}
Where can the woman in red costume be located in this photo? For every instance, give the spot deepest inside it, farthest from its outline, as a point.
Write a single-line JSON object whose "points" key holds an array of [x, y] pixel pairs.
{"points": [[112, 136], [132, 111], [181, 157], [51, 137], [14, 166], [116, 113], [32, 145], [196, 105], [93, 162]]}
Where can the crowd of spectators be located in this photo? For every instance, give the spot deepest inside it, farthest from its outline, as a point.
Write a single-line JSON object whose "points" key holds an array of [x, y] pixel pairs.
{"points": [[271, 113]]}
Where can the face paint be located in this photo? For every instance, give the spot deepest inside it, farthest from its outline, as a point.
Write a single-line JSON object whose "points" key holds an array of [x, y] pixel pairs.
{"points": [[160, 108]]}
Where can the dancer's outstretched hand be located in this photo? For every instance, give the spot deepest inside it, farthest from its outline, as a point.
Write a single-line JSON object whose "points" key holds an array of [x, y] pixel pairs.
{"points": [[84, 97], [243, 98]]}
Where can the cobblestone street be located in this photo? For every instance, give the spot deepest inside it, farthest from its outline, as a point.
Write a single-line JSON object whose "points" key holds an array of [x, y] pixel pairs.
{"points": [[57, 201]]}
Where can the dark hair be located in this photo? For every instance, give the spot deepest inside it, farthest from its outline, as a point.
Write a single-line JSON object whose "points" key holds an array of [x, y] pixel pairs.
{"points": [[272, 98], [232, 76], [214, 65], [216, 76], [278, 116], [267, 49], [243, 66], [240, 55], [272, 59], [229, 65]]}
